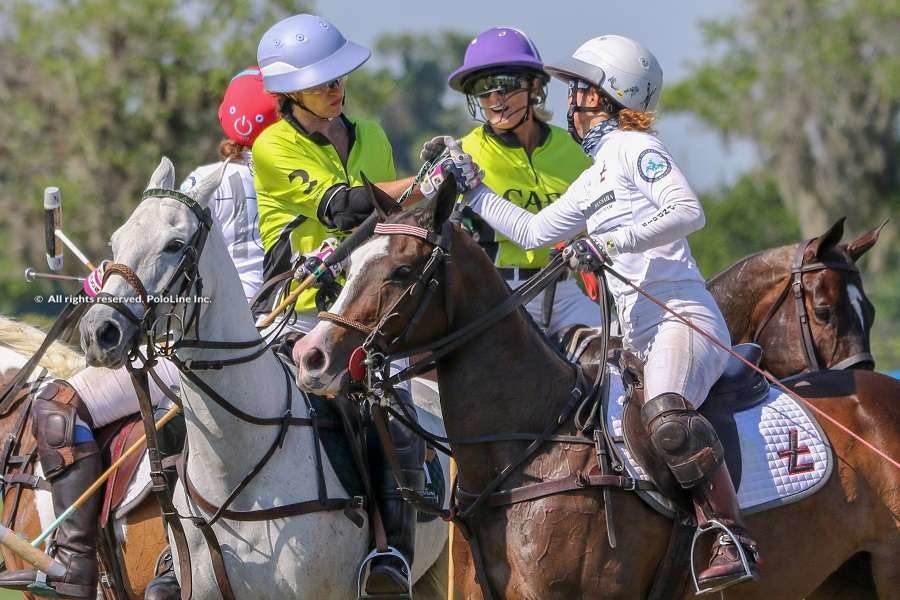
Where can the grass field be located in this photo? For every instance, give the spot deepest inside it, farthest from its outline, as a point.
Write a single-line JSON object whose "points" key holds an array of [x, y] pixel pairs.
{"points": [[10, 595]]}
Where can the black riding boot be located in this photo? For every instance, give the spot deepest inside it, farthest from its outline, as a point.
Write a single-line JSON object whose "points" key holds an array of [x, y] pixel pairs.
{"points": [[70, 468], [691, 448], [165, 585], [388, 575]]}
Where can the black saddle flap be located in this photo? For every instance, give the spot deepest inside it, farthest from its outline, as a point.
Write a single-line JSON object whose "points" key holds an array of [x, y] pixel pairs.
{"points": [[739, 387]]}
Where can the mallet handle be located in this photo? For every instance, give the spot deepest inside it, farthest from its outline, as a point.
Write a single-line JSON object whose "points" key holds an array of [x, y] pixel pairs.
{"points": [[71, 245], [288, 300]]}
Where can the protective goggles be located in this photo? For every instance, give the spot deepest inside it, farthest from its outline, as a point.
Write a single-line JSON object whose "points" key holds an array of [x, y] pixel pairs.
{"points": [[576, 85], [334, 84], [502, 84]]}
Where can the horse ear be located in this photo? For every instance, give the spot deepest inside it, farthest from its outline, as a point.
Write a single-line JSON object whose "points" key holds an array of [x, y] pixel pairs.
{"points": [[443, 203], [203, 191], [828, 240], [382, 202], [164, 175], [861, 245]]}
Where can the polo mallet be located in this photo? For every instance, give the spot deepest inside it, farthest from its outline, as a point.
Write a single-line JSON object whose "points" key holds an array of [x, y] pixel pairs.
{"points": [[31, 274], [54, 238], [44, 562], [340, 253]]}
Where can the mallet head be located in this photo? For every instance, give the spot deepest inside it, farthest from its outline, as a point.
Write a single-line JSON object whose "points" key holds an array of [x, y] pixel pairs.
{"points": [[52, 222]]}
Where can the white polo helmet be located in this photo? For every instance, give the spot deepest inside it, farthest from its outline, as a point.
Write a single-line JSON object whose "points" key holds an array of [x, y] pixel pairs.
{"points": [[625, 70]]}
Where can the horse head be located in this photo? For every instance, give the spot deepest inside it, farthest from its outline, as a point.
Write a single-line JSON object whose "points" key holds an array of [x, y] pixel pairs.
{"points": [[157, 265], [385, 288], [838, 313]]}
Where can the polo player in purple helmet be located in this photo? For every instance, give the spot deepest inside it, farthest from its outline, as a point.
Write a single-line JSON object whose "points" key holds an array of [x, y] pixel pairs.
{"points": [[526, 159]]}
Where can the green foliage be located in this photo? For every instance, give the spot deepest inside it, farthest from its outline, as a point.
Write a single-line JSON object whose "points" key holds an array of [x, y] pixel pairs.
{"points": [[740, 220], [816, 85], [93, 96], [408, 91]]}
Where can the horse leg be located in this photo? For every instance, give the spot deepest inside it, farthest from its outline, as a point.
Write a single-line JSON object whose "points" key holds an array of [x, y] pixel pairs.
{"points": [[886, 571]]}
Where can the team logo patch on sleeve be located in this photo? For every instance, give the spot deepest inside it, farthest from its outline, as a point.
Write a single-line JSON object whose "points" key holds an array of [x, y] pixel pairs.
{"points": [[653, 166], [600, 203]]}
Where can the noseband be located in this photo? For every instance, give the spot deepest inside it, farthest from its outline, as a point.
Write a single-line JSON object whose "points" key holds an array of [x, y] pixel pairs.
{"points": [[795, 285]]}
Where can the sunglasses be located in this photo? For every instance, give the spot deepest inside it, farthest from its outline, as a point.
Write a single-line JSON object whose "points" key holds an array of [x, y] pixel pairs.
{"points": [[502, 84], [330, 86], [576, 85]]}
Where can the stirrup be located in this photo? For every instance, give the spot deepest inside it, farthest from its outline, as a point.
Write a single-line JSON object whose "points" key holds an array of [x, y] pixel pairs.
{"points": [[364, 569], [41, 588], [702, 530]]}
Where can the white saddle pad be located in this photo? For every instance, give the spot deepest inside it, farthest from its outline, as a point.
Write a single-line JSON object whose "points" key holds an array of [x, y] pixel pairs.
{"points": [[785, 455]]}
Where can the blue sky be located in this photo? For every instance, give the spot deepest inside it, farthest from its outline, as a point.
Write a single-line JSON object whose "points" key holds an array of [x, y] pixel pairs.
{"points": [[669, 29]]}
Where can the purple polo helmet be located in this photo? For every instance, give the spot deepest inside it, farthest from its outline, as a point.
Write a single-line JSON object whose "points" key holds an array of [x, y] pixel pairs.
{"points": [[500, 47], [304, 51]]}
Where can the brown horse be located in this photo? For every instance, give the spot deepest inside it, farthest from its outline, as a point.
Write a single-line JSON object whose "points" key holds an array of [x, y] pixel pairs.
{"points": [[509, 379], [139, 535], [829, 330], [826, 327]]}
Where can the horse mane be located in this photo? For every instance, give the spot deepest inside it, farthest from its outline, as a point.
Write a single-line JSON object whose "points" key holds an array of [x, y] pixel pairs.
{"points": [[60, 359]]}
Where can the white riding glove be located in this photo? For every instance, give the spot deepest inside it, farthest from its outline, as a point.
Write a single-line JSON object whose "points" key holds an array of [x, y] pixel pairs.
{"points": [[468, 175]]}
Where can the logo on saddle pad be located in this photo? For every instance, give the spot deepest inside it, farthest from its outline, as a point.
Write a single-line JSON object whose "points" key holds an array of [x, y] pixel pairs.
{"points": [[793, 452], [653, 166]]}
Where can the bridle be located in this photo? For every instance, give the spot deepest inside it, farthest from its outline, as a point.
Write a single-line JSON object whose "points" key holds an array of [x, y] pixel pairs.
{"points": [[794, 285], [183, 281]]}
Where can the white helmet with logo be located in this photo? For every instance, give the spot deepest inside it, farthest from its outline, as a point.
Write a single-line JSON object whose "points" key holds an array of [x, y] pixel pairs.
{"points": [[625, 70]]}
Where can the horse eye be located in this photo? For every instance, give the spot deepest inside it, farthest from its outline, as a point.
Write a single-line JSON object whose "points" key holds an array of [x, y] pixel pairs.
{"points": [[401, 273], [823, 313], [173, 246]]}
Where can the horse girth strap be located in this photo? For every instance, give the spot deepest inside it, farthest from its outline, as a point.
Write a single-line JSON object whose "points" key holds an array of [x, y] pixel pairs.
{"points": [[578, 482], [264, 514]]}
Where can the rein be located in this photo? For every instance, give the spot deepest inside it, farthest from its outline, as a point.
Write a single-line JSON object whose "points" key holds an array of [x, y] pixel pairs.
{"points": [[795, 285], [378, 347], [187, 272]]}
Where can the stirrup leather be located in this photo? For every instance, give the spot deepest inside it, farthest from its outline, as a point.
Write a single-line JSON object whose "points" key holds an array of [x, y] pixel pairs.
{"points": [[365, 567], [710, 526]]}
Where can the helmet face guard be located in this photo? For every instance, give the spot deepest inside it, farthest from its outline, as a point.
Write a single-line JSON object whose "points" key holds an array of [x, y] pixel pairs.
{"points": [[506, 82]]}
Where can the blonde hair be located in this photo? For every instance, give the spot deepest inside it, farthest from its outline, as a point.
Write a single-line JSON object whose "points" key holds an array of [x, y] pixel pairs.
{"points": [[635, 120]]}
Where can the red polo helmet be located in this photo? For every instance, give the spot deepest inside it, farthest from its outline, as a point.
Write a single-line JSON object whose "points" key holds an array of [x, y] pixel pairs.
{"points": [[246, 108]]}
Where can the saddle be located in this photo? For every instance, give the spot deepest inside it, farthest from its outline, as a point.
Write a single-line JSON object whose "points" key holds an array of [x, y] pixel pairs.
{"points": [[775, 450], [129, 485]]}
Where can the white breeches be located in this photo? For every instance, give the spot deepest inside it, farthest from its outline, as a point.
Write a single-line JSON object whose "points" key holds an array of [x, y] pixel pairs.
{"points": [[678, 359], [571, 306], [109, 394]]}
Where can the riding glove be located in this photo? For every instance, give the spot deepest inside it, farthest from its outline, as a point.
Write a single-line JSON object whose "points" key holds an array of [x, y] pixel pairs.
{"points": [[467, 174], [586, 254]]}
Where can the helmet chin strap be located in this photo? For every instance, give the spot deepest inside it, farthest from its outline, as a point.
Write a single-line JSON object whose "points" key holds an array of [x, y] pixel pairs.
{"points": [[605, 106], [299, 103], [526, 113]]}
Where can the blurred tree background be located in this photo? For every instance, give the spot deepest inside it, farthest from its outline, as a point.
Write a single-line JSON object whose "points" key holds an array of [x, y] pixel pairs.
{"points": [[814, 84]]}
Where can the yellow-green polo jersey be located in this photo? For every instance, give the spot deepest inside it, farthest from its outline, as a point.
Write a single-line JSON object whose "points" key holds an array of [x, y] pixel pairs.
{"points": [[529, 182], [291, 173]]}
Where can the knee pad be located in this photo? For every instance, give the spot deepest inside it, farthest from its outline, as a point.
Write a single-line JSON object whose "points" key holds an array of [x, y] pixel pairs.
{"points": [[682, 437], [55, 431]]}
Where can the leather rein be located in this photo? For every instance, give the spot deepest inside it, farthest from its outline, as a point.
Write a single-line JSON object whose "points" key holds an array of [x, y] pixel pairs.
{"points": [[794, 286], [378, 348]]}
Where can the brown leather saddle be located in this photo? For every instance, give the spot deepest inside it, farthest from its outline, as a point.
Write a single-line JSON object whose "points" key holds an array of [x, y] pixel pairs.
{"points": [[737, 389]]}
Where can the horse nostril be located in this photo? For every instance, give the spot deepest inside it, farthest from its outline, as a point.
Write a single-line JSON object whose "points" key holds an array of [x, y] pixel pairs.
{"points": [[314, 360], [109, 335]]}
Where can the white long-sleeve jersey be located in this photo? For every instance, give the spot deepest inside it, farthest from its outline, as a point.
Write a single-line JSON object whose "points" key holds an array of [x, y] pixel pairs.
{"points": [[634, 201], [233, 207]]}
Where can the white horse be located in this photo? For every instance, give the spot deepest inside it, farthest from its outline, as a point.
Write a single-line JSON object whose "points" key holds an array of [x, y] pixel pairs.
{"points": [[310, 556]]}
